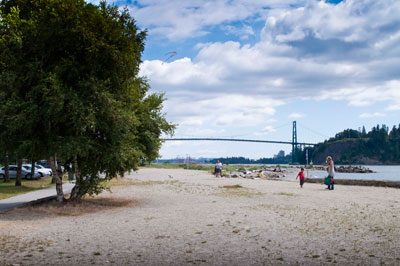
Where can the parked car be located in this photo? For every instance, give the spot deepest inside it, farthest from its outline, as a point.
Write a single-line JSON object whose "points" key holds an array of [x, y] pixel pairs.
{"points": [[43, 163], [46, 164], [25, 172], [42, 170]]}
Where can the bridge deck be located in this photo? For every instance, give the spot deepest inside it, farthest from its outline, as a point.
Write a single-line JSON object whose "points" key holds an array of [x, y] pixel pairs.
{"points": [[241, 140]]}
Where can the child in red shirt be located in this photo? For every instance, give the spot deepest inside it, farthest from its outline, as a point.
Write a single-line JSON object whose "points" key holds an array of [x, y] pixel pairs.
{"points": [[302, 177]]}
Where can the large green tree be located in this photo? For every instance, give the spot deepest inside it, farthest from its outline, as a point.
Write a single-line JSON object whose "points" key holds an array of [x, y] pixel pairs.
{"points": [[74, 68]]}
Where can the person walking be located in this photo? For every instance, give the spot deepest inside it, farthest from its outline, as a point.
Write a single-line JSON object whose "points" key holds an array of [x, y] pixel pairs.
{"points": [[331, 172], [301, 176]]}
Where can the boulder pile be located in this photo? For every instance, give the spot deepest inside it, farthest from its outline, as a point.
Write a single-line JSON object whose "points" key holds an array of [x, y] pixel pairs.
{"points": [[266, 172], [345, 169], [353, 169]]}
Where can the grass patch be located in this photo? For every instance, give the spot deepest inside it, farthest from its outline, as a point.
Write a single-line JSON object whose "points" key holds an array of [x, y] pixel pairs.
{"points": [[237, 191], [285, 194], [120, 181], [8, 190], [232, 186]]}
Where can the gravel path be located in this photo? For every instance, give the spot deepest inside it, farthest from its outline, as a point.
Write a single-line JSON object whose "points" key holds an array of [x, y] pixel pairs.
{"points": [[183, 217]]}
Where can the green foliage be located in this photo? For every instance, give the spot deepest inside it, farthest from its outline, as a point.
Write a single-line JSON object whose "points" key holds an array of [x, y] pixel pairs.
{"points": [[69, 83], [242, 160], [380, 144]]}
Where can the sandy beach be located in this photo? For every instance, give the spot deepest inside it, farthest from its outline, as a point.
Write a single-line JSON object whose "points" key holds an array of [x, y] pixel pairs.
{"points": [[188, 217]]}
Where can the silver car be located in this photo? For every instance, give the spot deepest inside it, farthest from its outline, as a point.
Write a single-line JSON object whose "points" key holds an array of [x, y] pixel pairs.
{"points": [[40, 169], [25, 172]]}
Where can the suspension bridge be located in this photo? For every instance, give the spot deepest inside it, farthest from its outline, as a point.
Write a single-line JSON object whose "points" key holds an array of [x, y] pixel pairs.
{"points": [[296, 146]]}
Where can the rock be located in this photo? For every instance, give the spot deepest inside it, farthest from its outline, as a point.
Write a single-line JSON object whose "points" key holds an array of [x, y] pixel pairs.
{"points": [[277, 168], [242, 170], [353, 169]]}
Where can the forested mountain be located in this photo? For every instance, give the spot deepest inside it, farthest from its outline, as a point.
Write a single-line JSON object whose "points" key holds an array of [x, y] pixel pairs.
{"points": [[378, 146]]}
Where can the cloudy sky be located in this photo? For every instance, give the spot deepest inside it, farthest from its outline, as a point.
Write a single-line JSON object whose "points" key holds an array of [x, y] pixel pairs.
{"points": [[248, 68]]}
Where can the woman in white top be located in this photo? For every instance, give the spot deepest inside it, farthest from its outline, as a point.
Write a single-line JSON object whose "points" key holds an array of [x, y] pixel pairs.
{"points": [[331, 172]]}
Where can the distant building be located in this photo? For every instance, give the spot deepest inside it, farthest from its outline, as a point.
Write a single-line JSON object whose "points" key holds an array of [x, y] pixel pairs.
{"points": [[280, 154]]}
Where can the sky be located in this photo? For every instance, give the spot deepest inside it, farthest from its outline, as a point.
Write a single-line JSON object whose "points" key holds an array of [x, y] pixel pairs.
{"points": [[249, 68]]}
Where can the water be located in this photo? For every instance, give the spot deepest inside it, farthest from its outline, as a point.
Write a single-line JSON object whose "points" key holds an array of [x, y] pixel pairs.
{"points": [[383, 172]]}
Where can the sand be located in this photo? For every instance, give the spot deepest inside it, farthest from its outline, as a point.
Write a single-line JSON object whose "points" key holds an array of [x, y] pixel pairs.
{"points": [[184, 217]]}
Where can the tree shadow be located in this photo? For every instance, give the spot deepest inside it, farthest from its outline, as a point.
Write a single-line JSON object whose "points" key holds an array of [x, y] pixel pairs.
{"points": [[84, 206]]}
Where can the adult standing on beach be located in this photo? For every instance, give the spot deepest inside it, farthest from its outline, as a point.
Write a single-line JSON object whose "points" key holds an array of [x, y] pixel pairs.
{"points": [[218, 169], [331, 172]]}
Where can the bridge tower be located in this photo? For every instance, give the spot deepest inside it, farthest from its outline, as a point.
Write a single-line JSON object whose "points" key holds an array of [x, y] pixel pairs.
{"points": [[295, 148]]}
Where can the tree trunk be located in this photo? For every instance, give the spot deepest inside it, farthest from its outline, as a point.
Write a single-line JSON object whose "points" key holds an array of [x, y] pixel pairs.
{"points": [[18, 180], [33, 169], [59, 166], [54, 170], [75, 193], [58, 178], [6, 169]]}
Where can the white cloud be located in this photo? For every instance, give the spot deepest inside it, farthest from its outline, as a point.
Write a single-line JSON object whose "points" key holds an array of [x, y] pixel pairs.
{"points": [[265, 131], [219, 110], [244, 32], [388, 91], [371, 115], [350, 21], [170, 144], [181, 19], [393, 107], [296, 115], [191, 121], [202, 132]]}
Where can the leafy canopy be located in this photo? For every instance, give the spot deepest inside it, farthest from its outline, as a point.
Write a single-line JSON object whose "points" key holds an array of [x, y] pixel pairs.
{"points": [[70, 83]]}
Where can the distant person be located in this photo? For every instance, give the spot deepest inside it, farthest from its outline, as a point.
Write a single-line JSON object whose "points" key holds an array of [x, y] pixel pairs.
{"points": [[301, 176], [260, 174], [218, 169], [331, 173]]}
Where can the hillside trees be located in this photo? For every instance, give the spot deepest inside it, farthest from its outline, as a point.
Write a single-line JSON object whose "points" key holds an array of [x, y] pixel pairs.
{"points": [[379, 144], [74, 69]]}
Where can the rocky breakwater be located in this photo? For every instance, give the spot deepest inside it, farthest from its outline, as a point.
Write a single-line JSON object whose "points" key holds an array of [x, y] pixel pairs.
{"points": [[353, 169], [345, 169], [265, 172]]}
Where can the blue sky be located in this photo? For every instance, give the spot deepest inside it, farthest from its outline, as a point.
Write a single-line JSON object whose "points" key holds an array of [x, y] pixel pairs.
{"points": [[248, 68]]}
